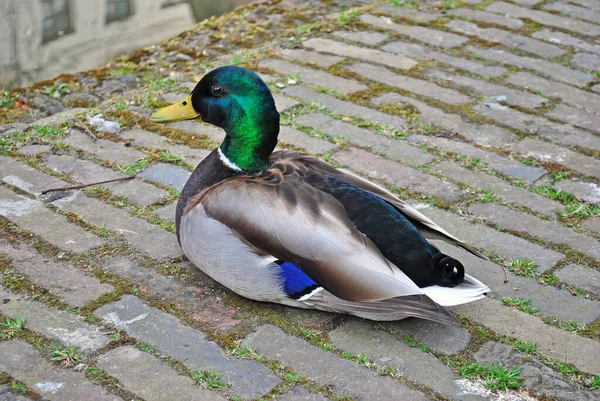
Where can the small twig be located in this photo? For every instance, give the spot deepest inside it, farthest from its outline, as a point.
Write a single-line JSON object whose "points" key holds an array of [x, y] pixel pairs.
{"points": [[86, 130], [87, 185], [505, 274]]}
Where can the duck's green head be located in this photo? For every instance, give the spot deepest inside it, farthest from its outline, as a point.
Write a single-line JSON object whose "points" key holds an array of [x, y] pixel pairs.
{"points": [[237, 100]]}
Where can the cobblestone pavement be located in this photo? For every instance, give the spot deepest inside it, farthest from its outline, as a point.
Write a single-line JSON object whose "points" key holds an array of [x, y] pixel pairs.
{"points": [[484, 114]]}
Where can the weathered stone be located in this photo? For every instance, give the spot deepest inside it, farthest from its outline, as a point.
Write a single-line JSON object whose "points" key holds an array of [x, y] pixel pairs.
{"points": [[7, 129], [593, 224], [345, 377], [62, 279], [397, 174], [587, 61], [167, 174], [368, 38], [60, 118], [548, 68], [499, 187], [282, 103], [298, 138], [581, 277], [147, 139], [311, 57], [585, 191], [361, 53], [167, 212], [24, 363], [508, 95], [439, 337], [484, 16], [408, 13], [544, 18], [148, 377], [344, 108], [579, 118], [596, 88], [580, 98], [560, 133], [389, 146], [8, 394], [81, 99], [509, 39], [360, 337], [85, 171], [34, 150], [499, 163], [31, 215], [567, 40], [142, 235], [574, 11], [301, 394], [64, 327], [543, 229], [213, 133], [503, 244], [414, 85], [552, 342], [427, 35], [103, 149], [249, 378], [592, 4], [27, 178], [548, 152], [484, 135], [314, 77]]}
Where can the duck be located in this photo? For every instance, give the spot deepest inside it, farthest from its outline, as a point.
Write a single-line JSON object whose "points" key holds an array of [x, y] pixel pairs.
{"points": [[288, 228]]}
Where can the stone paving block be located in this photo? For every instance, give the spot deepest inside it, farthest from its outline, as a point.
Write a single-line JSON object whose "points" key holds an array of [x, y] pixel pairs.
{"points": [[579, 118], [167, 174], [503, 244], [484, 134], [167, 212], [415, 85], [543, 229], [545, 67], [34, 150], [549, 152], [427, 35], [62, 279], [104, 149], [143, 236], [344, 108], [300, 394], [374, 166], [570, 95], [24, 363], [484, 16], [8, 394], [581, 277], [85, 171], [593, 224], [148, 377], [587, 61], [501, 188], [596, 88], [389, 146], [367, 38], [147, 139], [585, 191], [361, 53], [27, 178], [213, 133], [282, 103], [313, 77], [563, 134], [574, 11], [31, 215], [544, 18], [408, 13], [497, 92], [499, 163], [64, 327], [439, 337], [163, 331], [360, 337], [311, 57], [593, 4], [552, 342], [509, 39], [345, 377], [298, 138], [564, 39]]}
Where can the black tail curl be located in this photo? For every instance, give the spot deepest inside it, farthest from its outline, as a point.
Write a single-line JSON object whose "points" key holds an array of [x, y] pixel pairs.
{"points": [[446, 271]]}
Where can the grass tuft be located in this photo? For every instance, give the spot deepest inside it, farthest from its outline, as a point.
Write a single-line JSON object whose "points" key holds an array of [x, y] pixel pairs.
{"points": [[69, 356], [495, 376], [525, 347], [11, 327], [523, 267], [522, 304], [209, 380]]}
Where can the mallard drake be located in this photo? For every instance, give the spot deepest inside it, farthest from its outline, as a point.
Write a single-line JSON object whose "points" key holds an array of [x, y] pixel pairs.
{"points": [[288, 228]]}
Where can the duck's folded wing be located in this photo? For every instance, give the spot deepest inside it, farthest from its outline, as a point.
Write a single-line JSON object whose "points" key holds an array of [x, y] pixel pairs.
{"points": [[294, 222]]}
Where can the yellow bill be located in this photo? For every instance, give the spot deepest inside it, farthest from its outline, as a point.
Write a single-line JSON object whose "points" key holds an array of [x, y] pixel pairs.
{"points": [[179, 111]]}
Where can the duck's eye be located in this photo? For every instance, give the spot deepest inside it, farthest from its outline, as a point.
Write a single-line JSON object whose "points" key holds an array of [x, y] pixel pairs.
{"points": [[184, 103], [216, 90]]}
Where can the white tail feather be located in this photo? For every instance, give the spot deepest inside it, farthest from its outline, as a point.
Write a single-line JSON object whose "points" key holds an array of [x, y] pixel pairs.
{"points": [[469, 290]]}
